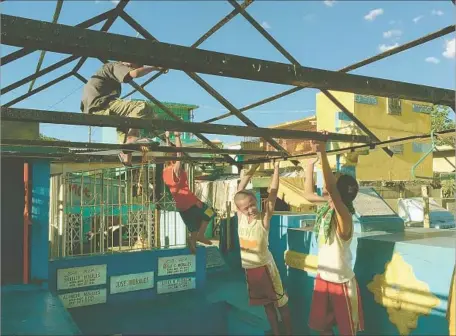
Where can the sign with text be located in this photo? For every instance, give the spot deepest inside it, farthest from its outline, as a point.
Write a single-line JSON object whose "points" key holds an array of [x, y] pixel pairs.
{"points": [[369, 100], [132, 282], [76, 277], [85, 298], [176, 285], [177, 265], [422, 108]]}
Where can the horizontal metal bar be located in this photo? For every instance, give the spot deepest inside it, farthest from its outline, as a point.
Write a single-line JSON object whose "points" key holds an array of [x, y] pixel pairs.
{"points": [[153, 147], [361, 148], [66, 118], [36, 90], [442, 32], [24, 51], [101, 158], [83, 42]]}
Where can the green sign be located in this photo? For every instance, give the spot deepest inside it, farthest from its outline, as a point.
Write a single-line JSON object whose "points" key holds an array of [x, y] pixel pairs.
{"points": [[422, 108], [368, 100]]}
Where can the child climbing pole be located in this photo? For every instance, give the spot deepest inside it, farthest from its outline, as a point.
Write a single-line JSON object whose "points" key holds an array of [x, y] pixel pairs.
{"points": [[195, 213], [336, 299], [263, 278], [101, 96]]}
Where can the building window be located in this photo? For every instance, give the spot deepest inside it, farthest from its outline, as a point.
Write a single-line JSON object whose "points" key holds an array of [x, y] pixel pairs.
{"points": [[394, 106], [421, 147], [396, 149]]}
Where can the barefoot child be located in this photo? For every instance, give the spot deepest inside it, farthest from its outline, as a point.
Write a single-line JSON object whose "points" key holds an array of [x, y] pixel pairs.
{"points": [[195, 214], [336, 299], [263, 278]]}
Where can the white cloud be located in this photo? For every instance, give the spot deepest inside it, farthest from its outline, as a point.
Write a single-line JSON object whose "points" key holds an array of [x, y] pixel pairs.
{"points": [[450, 48], [329, 3], [392, 33], [115, 2], [373, 14], [384, 47], [418, 18], [432, 59], [265, 25], [437, 12]]}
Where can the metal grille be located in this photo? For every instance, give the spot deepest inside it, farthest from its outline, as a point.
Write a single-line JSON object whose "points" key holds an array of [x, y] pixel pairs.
{"points": [[102, 211]]}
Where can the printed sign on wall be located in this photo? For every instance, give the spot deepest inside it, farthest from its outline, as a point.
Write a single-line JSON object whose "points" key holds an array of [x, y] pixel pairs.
{"points": [[85, 298], [132, 282], [175, 285], [68, 278], [177, 265]]}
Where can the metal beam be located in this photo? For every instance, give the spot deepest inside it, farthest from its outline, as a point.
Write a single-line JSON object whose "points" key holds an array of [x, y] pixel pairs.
{"points": [[24, 51], [109, 22], [361, 148], [135, 25], [442, 32], [36, 90], [154, 147], [355, 120], [203, 38], [66, 118], [83, 42]]}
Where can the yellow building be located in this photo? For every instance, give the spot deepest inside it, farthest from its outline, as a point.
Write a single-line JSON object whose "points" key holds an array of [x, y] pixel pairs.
{"points": [[387, 119]]}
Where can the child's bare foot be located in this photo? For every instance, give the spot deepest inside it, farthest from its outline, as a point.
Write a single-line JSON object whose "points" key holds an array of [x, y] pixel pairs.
{"points": [[204, 240]]}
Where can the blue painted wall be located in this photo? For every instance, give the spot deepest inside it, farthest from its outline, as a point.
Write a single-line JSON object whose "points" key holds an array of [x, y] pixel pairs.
{"points": [[431, 255], [129, 263], [39, 250]]}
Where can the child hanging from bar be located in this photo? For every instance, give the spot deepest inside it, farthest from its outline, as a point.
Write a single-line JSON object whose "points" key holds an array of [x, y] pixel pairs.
{"points": [[263, 278], [101, 95], [336, 299], [195, 213]]}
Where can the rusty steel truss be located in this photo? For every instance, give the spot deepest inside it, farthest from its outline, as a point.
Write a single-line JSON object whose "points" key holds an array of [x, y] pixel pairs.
{"points": [[80, 42]]}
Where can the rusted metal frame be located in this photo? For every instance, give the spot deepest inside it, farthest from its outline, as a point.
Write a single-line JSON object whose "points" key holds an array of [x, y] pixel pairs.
{"points": [[285, 53], [136, 147], [203, 38], [57, 11], [106, 158], [82, 79], [135, 25], [357, 122], [40, 73], [24, 51], [67, 118], [263, 32], [359, 148], [84, 42], [38, 89], [442, 32], [109, 22]]}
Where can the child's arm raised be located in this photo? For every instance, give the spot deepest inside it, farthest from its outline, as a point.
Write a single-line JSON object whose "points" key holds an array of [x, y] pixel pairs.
{"points": [[246, 175], [309, 183], [177, 165], [272, 196], [344, 217]]}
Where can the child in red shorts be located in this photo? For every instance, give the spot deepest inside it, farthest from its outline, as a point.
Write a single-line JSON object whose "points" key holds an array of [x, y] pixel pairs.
{"points": [[336, 299], [195, 213], [263, 278]]}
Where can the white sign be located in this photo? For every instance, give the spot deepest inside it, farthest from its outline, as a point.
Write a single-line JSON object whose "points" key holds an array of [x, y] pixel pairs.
{"points": [[175, 285], [177, 264], [76, 277], [86, 298], [132, 282]]}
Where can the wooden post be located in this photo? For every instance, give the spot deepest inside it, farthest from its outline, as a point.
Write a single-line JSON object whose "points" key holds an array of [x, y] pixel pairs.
{"points": [[426, 217]]}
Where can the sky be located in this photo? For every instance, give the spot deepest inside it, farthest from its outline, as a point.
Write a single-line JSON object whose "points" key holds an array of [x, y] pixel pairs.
{"points": [[321, 34]]}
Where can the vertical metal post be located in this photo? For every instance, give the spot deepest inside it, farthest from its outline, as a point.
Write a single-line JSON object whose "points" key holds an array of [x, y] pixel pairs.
{"points": [[228, 226], [81, 224]]}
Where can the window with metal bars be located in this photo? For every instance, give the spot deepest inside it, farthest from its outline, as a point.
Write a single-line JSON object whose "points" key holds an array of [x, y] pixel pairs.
{"points": [[394, 106]]}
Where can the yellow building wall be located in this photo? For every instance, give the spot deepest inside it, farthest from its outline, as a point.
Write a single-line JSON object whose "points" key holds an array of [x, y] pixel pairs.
{"points": [[377, 165]]}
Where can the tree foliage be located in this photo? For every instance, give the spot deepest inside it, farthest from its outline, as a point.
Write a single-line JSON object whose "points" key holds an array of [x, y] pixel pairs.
{"points": [[44, 137], [441, 121]]}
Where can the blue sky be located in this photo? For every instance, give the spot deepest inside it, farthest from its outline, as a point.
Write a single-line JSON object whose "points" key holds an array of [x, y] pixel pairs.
{"points": [[321, 34]]}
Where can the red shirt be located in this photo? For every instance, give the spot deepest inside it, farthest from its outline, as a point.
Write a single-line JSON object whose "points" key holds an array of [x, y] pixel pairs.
{"points": [[178, 186]]}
